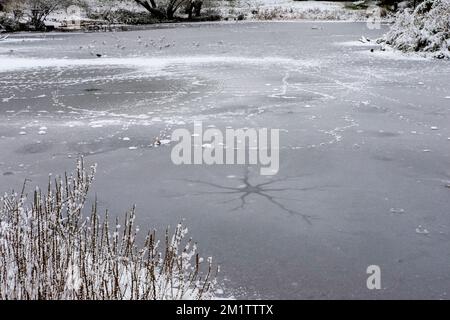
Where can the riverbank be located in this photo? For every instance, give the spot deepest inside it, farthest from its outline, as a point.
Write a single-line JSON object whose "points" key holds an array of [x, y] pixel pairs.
{"points": [[127, 15]]}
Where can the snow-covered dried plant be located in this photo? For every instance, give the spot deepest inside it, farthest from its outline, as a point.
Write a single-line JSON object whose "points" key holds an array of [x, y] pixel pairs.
{"points": [[50, 250], [424, 29]]}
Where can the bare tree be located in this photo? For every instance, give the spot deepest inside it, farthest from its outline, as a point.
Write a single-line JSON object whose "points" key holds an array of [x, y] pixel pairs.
{"points": [[14, 7], [39, 10], [172, 6], [151, 7], [164, 9]]}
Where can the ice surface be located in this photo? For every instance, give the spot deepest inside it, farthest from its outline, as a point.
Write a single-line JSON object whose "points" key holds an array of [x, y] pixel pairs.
{"points": [[354, 123]]}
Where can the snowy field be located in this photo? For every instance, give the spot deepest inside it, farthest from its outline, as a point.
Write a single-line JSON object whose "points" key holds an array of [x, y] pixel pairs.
{"points": [[364, 161]]}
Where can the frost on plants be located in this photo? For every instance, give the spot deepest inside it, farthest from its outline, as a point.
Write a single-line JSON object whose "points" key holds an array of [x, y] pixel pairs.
{"points": [[50, 250], [425, 29]]}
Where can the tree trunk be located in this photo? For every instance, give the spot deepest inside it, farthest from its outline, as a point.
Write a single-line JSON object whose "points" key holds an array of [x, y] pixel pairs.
{"points": [[189, 9], [37, 20], [198, 8], [152, 8], [170, 12]]}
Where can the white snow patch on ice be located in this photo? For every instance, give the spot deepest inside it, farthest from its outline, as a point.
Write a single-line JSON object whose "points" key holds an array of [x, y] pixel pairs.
{"points": [[165, 141], [12, 64], [422, 230], [105, 122], [357, 44], [15, 40], [395, 55]]}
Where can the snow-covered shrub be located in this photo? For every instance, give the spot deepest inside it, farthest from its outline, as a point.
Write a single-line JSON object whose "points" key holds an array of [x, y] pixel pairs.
{"points": [[50, 250], [424, 29], [287, 13], [7, 23]]}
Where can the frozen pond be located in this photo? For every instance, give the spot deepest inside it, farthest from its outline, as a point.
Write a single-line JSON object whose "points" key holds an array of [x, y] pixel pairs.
{"points": [[364, 159]]}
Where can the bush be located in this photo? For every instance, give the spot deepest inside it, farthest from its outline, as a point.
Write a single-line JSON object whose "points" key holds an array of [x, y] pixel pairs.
{"points": [[424, 29], [49, 250], [131, 17], [9, 24]]}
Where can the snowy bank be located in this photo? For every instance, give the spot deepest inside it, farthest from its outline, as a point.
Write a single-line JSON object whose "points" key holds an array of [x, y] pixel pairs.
{"points": [[293, 10], [102, 15], [425, 30]]}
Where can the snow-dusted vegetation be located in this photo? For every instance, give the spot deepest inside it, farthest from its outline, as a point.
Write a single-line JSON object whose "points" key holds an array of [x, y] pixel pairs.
{"points": [[426, 29], [49, 14], [50, 250], [293, 10]]}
